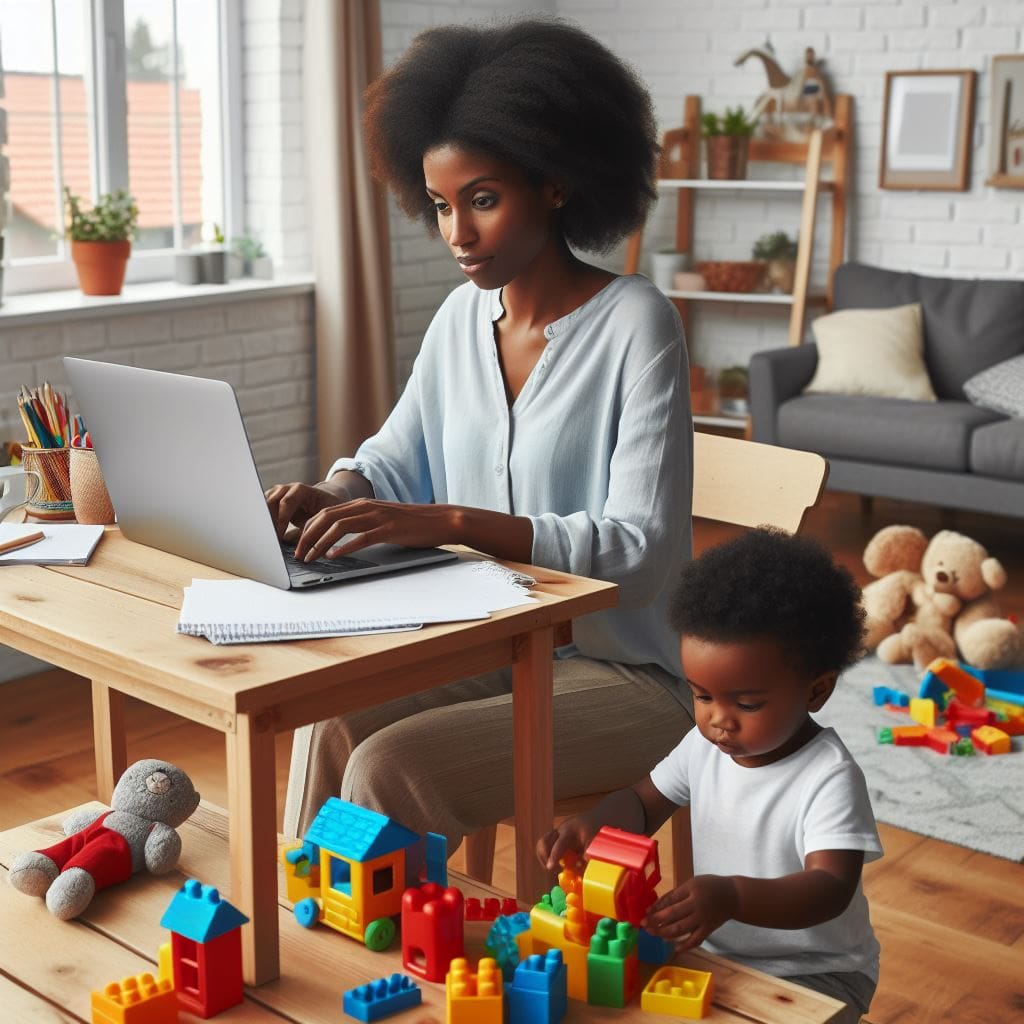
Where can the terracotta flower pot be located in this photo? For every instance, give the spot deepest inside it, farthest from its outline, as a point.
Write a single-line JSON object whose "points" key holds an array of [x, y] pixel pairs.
{"points": [[727, 156], [781, 274], [101, 266]]}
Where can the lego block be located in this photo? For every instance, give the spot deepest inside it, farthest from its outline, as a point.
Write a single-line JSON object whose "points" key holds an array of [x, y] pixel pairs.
{"points": [[546, 926], [539, 990], [941, 739], [165, 963], [135, 1000], [964, 748], [381, 998], [437, 859], [573, 953], [678, 992], [885, 735], [639, 856], [432, 930], [909, 735], [602, 886], [501, 941], [487, 911], [945, 674], [990, 740], [886, 695], [612, 964], [1007, 681], [474, 998], [652, 949], [959, 713], [924, 710]]}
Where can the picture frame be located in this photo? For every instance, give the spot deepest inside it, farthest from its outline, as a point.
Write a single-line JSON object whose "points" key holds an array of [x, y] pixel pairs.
{"points": [[1006, 127], [927, 127]]}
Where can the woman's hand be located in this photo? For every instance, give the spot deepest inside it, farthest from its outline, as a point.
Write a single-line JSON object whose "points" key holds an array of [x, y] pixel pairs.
{"points": [[374, 522], [573, 834], [294, 504], [690, 913]]}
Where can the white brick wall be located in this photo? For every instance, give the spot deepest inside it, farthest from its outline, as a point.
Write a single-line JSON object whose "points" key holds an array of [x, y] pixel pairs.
{"points": [[688, 46]]}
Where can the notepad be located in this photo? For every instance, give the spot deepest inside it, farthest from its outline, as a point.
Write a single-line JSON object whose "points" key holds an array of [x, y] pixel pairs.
{"points": [[244, 611], [64, 543]]}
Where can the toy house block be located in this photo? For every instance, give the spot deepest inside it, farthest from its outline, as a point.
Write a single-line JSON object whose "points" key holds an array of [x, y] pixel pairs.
{"points": [[432, 930], [638, 855], [652, 949], [138, 1000], [539, 991], [602, 888], [924, 710], [612, 964], [501, 941], [990, 740], [206, 949], [945, 674], [941, 739], [474, 998], [678, 992], [909, 735], [381, 998]]}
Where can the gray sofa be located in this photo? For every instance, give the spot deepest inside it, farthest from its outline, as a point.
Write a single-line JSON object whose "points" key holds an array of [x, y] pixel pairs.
{"points": [[948, 453]]}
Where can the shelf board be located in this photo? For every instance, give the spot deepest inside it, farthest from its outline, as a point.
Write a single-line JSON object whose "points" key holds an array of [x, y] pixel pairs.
{"points": [[770, 298], [743, 184], [716, 420]]}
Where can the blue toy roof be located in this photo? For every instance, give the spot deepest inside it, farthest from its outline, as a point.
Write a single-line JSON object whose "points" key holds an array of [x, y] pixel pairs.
{"points": [[198, 913], [355, 833]]}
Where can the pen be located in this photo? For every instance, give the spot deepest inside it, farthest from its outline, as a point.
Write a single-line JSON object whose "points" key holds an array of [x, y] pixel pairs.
{"points": [[21, 542]]}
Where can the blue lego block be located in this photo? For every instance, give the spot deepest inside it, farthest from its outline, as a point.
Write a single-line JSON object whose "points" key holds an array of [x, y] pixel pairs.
{"points": [[1008, 682], [539, 990], [198, 913], [383, 997], [437, 859], [501, 941], [887, 695], [356, 833], [652, 949]]}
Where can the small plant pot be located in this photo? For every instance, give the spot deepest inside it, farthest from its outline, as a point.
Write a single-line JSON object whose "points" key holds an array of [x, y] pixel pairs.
{"points": [[215, 266], [101, 266], [262, 268], [236, 267], [781, 275], [727, 156], [664, 265], [187, 268]]}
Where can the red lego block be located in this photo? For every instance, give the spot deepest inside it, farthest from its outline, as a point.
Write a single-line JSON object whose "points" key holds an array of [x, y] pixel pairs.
{"points": [[432, 930], [969, 689], [941, 739], [509, 906], [489, 911], [909, 735], [959, 713]]}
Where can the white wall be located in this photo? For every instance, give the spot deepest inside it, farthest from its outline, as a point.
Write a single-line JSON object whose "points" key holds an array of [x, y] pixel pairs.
{"points": [[688, 46]]}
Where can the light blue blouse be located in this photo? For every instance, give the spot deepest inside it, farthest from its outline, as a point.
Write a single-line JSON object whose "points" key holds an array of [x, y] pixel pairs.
{"points": [[597, 449]]}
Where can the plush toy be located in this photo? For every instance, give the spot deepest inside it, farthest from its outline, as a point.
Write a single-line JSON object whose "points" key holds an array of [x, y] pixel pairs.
{"points": [[103, 848], [933, 597]]}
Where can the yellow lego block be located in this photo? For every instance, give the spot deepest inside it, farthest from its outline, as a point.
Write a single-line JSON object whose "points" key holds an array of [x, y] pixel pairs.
{"points": [[923, 710], [166, 963], [602, 883], [474, 998], [140, 1000], [679, 992], [991, 740], [547, 926]]}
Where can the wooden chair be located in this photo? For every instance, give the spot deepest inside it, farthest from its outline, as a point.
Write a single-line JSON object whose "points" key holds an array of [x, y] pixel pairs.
{"points": [[742, 483]]}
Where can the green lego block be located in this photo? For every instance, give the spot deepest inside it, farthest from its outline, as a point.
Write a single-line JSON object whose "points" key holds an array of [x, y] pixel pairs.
{"points": [[965, 748], [885, 735], [612, 964]]}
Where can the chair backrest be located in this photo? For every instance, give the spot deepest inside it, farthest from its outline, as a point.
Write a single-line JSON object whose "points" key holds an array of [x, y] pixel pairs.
{"points": [[749, 484]]}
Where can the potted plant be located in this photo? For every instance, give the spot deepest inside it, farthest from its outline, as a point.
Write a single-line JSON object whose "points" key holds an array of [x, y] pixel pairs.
{"points": [[101, 240], [252, 257], [213, 259], [733, 390], [778, 250], [728, 139]]}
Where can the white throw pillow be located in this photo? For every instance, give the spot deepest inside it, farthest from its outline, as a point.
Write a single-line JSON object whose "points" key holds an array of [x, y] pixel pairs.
{"points": [[1000, 387], [872, 352]]}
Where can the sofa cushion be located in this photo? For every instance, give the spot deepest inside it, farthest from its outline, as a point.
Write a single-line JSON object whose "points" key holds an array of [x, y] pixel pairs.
{"points": [[927, 435], [1000, 387], [969, 325], [997, 449]]}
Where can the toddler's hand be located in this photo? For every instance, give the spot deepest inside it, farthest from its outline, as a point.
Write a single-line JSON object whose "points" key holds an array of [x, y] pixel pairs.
{"points": [[574, 834], [690, 913]]}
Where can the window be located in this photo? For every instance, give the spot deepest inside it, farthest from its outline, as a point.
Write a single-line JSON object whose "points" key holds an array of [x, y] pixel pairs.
{"points": [[104, 94]]}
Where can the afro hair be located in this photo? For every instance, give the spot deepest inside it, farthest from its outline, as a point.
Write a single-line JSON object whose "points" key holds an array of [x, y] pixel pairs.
{"points": [[767, 583], [538, 93]]}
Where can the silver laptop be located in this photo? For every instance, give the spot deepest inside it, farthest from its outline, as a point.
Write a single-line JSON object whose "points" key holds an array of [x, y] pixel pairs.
{"points": [[180, 472]]}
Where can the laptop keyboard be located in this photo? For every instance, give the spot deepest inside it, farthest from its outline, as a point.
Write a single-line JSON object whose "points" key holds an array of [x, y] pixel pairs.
{"points": [[323, 565]]}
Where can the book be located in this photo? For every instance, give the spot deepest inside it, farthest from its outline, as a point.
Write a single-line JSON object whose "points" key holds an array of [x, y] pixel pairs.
{"points": [[244, 611], [63, 543]]}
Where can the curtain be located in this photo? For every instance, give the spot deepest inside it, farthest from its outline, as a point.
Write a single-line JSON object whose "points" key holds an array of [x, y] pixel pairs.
{"points": [[355, 377]]}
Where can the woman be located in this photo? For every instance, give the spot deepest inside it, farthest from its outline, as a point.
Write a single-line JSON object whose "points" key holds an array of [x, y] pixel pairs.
{"points": [[546, 420]]}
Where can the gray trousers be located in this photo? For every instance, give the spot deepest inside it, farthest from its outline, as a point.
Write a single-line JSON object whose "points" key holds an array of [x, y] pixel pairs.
{"points": [[852, 987], [441, 760]]}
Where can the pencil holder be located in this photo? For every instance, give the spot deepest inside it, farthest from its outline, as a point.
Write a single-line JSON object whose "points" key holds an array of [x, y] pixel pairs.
{"points": [[88, 491], [53, 500]]}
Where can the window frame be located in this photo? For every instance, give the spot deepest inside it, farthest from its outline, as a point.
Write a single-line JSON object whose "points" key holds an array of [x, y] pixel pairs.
{"points": [[107, 112]]}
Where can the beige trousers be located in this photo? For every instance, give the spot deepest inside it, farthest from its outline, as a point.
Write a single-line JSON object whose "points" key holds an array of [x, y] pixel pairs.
{"points": [[441, 760]]}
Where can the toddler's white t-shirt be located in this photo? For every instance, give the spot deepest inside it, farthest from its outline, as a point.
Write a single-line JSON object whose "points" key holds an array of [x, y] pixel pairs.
{"points": [[761, 823]]}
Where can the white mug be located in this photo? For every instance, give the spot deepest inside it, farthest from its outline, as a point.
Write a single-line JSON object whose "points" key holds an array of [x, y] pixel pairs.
{"points": [[14, 490]]}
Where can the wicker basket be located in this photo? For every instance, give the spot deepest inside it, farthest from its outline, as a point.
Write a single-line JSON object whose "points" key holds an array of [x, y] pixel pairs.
{"points": [[731, 275], [53, 500], [88, 491]]}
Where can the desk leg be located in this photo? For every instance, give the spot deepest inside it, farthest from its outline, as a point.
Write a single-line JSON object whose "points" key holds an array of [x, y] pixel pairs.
{"points": [[252, 813], [533, 758], [109, 740]]}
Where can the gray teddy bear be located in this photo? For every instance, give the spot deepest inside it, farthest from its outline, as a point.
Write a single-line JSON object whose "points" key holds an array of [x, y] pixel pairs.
{"points": [[103, 848]]}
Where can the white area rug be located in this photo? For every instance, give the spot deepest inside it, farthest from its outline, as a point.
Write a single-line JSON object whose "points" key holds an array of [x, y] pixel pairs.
{"points": [[977, 802]]}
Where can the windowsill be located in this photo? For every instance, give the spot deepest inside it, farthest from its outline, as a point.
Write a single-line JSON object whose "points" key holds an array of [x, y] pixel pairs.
{"points": [[71, 304]]}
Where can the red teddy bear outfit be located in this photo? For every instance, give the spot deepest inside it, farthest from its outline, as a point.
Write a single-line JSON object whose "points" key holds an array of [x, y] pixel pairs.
{"points": [[101, 851]]}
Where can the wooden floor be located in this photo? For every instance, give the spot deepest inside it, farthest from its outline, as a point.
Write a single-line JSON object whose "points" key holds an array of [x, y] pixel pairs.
{"points": [[951, 922]]}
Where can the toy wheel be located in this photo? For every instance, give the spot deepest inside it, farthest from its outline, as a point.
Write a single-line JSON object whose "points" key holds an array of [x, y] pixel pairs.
{"points": [[379, 934], [307, 912]]}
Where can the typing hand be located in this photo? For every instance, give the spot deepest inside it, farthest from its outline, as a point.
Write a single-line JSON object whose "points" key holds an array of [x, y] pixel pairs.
{"points": [[374, 522], [692, 911], [293, 504]]}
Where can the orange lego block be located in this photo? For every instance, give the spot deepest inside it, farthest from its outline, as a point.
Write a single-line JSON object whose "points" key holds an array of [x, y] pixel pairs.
{"points": [[968, 688], [923, 710], [138, 1000], [909, 735], [475, 998], [941, 739], [990, 740]]}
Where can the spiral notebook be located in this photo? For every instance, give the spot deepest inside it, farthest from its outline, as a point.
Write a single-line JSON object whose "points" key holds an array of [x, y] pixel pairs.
{"points": [[244, 611]]}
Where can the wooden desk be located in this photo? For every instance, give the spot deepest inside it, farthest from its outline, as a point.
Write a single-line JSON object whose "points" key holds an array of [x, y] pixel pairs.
{"points": [[113, 622], [58, 963]]}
